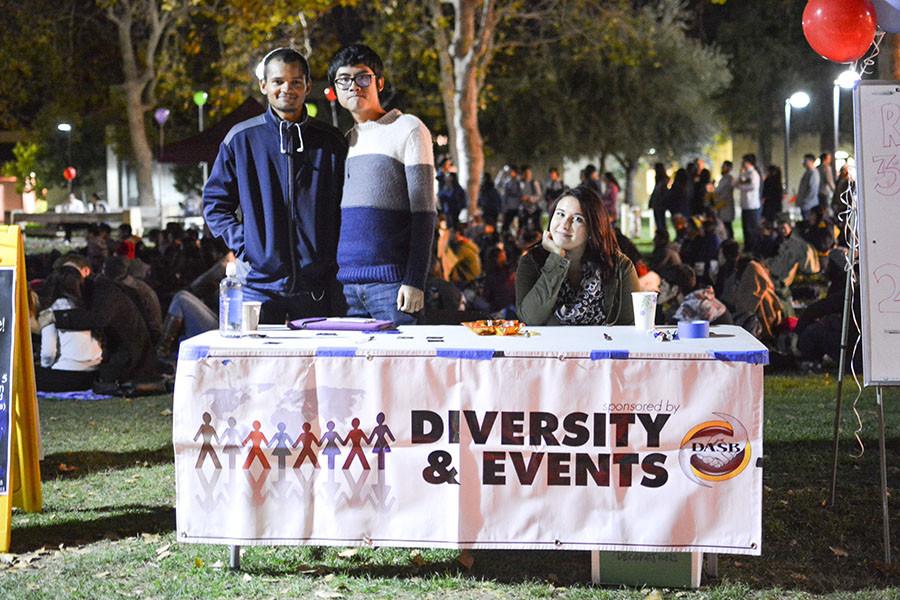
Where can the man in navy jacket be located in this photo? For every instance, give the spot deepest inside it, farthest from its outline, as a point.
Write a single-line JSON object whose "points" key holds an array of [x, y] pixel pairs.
{"points": [[284, 171]]}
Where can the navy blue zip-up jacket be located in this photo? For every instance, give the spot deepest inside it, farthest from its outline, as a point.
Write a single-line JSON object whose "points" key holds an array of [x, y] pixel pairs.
{"points": [[286, 178]]}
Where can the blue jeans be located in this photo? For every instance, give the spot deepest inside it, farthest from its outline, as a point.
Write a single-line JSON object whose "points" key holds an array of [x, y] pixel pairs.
{"points": [[195, 314], [376, 300]]}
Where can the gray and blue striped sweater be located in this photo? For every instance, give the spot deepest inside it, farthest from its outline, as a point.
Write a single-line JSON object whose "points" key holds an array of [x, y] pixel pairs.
{"points": [[388, 208]]}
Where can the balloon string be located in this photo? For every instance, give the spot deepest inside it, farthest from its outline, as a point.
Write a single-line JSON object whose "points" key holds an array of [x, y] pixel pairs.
{"points": [[851, 234], [868, 63]]}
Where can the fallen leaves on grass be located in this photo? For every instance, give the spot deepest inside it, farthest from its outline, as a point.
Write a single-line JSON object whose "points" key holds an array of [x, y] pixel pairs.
{"points": [[150, 538], [416, 557], [64, 468], [328, 594], [838, 551], [466, 559], [349, 553], [166, 412], [654, 595]]}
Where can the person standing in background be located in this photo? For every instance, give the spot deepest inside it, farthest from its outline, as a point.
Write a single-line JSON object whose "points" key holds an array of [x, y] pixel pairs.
{"points": [[724, 198], [808, 191], [749, 186], [773, 194], [826, 180]]}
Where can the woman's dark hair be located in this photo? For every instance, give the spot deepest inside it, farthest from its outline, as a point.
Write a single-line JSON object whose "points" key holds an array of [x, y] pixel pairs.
{"points": [[659, 170], [773, 173], [704, 177], [487, 182], [602, 247], [355, 54], [680, 181], [65, 282], [611, 178]]}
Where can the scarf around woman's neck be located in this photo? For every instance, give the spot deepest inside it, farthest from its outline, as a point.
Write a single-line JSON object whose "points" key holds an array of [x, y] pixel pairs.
{"points": [[585, 305]]}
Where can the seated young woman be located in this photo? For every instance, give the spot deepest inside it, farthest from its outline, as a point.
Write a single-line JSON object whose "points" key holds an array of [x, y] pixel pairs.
{"points": [[69, 359], [577, 275]]}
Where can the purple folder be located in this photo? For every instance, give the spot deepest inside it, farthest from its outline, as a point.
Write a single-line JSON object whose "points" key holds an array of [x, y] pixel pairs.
{"points": [[340, 324]]}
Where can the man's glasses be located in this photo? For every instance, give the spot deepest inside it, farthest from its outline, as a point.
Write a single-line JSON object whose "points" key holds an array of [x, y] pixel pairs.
{"points": [[362, 80]]}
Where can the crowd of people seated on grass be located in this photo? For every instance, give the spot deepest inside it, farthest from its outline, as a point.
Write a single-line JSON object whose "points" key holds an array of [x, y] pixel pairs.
{"points": [[109, 316]]}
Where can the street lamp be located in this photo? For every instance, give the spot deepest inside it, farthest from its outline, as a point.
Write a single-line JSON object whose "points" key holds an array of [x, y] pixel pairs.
{"points": [[66, 128], [797, 100], [846, 80], [200, 99]]}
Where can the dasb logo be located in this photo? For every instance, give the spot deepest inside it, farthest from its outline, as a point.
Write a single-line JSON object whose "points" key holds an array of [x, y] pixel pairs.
{"points": [[715, 451]]}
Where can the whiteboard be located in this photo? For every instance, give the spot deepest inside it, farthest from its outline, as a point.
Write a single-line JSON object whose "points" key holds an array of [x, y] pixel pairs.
{"points": [[877, 126]]}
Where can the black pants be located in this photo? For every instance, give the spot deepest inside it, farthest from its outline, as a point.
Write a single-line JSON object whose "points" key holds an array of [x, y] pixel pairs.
{"points": [[57, 380], [277, 308]]}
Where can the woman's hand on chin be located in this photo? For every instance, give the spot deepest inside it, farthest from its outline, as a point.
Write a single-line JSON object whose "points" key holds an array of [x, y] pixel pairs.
{"points": [[550, 246]]}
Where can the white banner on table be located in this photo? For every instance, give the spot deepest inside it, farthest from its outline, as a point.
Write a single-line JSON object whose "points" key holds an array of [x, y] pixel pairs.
{"points": [[505, 453]]}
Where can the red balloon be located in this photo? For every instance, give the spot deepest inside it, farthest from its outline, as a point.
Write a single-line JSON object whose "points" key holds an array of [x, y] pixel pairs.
{"points": [[330, 95], [840, 30], [69, 173]]}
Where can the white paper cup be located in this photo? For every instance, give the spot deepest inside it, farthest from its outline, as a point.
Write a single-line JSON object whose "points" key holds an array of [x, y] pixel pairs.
{"points": [[644, 310], [250, 315]]}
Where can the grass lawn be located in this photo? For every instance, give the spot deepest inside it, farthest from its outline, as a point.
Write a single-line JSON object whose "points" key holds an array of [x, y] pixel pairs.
{"points": [[107, 529]]}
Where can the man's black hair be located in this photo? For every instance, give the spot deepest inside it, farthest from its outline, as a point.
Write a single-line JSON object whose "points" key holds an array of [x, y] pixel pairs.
{"points": [[288, 56], [355, 54], [809, 156]]}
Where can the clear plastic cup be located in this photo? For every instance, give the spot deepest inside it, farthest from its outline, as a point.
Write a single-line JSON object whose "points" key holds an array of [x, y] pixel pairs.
{"points": [[250, 320]]}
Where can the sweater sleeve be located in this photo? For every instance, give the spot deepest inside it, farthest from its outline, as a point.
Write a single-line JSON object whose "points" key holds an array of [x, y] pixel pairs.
{"points": [[628, 282], [537, 289], [221, 200], [418, 160]]}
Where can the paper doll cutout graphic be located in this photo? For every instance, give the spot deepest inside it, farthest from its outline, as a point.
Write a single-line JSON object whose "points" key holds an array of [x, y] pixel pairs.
{"points": [[331, 449], [356, 437], [256, 438], [232, 440], [380, 434], [306, 440], [357, 487], [257, 486], [210, 499], [282, 443], [209, 433]]}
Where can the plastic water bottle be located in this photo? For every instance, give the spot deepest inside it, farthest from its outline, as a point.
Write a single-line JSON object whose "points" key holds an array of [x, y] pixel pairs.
{"points": [[231, 299]]}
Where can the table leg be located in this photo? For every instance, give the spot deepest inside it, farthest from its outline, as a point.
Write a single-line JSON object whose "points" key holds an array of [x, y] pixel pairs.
{"points": [[234, 558], [711, 565], [595, 567]]}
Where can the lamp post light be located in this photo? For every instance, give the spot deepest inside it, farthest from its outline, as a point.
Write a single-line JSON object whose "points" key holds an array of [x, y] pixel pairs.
{"points": [[797, 100], [66, 128], [161, 115], [846, 80], [200, 99]]}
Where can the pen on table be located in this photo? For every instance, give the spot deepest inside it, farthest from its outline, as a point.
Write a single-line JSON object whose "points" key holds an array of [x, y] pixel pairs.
{"points": [[607, 337]]}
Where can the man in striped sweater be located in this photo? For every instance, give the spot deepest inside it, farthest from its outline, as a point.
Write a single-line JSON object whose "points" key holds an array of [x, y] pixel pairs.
{"points": [[388, 208]]}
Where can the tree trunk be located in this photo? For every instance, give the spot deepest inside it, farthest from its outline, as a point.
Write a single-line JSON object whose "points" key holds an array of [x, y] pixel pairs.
{"points": [[630, 166], [140, 146], [469, 143], [464, 53]]}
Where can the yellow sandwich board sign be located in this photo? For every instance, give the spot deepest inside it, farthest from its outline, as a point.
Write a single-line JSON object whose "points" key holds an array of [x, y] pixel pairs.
{"points": [[20, 475]]}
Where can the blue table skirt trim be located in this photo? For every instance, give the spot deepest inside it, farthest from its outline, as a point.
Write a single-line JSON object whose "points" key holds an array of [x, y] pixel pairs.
{"points": [[193, 352], [336, 352], [468, 354], [609, 354], [754, 357]]}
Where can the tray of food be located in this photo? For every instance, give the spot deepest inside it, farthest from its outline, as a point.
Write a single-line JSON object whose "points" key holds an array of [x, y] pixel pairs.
{"points": [[496, 327]]}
